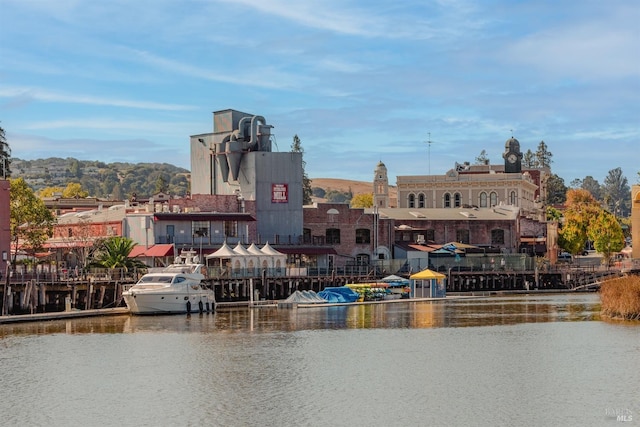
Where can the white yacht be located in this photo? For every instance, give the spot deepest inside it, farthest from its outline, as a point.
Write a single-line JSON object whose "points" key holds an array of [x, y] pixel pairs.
{"points": [[177, 288]]}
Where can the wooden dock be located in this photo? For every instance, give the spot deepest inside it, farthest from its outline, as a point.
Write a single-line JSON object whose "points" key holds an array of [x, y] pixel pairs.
{"points": [[57, 315]]}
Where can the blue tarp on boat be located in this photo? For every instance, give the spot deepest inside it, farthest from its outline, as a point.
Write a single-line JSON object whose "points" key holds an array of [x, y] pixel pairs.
{"points": [[339, 294]]}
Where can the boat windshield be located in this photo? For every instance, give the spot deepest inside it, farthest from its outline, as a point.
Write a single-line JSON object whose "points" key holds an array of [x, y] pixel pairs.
{"points": [[155, 279]]}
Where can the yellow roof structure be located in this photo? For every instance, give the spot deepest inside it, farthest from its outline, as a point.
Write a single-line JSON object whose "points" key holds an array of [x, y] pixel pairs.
{"points": [[427, 274]]}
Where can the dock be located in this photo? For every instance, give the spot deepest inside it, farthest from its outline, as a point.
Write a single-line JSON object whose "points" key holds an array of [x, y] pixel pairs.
{"points": [[58, 315]]}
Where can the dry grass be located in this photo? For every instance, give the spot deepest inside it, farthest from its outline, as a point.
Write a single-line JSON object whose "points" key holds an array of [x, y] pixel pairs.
{"points": [[621, 298], [346, 185]]}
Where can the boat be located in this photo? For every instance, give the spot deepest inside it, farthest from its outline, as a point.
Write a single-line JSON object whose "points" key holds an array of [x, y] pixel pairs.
{"points": [[177, 288]]}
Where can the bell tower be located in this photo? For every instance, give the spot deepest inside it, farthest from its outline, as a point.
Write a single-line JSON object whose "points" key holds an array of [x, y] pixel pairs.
{"points": [[381, 186]]}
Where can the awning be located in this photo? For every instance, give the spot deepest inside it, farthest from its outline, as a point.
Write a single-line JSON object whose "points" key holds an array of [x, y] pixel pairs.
{"points": [[160, 250], [203, 216], [533, 239]]}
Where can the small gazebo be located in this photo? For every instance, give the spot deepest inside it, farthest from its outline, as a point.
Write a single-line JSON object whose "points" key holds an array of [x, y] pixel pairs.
{"points": [[432, 280]]}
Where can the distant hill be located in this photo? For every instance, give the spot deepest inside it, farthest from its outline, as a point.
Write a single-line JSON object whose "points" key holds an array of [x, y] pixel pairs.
{"points": [[120, 180], [117, 181], [345, 186]]}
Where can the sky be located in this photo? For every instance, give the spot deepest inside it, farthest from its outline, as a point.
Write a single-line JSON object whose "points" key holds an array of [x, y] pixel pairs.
{"points": [[416, 84]]}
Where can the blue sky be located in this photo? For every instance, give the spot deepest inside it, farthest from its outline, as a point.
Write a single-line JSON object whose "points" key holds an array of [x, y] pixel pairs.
{"points": [[357, 81]]}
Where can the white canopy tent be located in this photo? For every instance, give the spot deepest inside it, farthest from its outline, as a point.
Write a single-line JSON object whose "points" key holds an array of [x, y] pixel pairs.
{"points": [[226, 256], [241, 260], [278, 260], [251, 261]]}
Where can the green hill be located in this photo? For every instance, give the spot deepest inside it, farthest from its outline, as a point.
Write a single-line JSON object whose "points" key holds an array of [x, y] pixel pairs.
{"points": [[104, 180]]}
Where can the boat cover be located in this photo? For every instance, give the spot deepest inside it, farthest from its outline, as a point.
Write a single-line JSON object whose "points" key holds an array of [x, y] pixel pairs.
{"points": [[305, 297], [339, 294]]}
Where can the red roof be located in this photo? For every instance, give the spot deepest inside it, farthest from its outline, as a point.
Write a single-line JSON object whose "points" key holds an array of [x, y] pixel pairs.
{"points": [[161, 250]]}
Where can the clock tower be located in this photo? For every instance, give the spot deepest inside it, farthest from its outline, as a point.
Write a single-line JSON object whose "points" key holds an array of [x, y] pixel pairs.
{"points": [[512, 156]]}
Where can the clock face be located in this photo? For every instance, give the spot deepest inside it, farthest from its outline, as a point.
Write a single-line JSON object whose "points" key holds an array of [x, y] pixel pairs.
{"points": [[512, 158]]}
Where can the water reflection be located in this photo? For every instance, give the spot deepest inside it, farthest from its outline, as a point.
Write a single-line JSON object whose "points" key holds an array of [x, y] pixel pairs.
{"points": [[411, 314]]}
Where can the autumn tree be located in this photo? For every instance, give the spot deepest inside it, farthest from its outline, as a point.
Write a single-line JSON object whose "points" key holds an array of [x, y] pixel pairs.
{"points": [[296, 147], [31, 222], [581, 210], [606, 233], [47, 192], [73, 189], [362, 200]]}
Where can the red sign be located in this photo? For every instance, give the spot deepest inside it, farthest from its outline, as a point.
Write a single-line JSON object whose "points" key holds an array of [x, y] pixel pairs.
{"points": [[279, 193]]}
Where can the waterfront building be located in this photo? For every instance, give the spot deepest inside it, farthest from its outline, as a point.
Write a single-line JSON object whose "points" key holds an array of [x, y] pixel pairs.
{"points": [[237, 159], [483, 186]]}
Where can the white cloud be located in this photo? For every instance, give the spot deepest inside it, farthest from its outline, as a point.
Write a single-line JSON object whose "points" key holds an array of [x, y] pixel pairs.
{"points": [[605, 47], [46, 95]]}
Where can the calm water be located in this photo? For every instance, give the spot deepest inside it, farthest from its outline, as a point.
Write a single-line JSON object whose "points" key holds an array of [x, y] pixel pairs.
{"points": [[526, 360]]}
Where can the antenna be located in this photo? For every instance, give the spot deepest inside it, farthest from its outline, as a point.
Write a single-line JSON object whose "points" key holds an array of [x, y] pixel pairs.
{"points": [[429, 141]]}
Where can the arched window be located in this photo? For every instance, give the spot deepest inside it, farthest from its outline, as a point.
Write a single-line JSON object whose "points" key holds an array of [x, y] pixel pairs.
{"points": [[412, 201], [497, 236], [421, 201], [483, 200], [362, 259], [447, 200], [493, 199], [513, 199], [457, 200]]}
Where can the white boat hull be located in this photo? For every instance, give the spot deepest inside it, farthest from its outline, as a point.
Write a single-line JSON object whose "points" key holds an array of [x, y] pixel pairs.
{"points": [[169, 303]]}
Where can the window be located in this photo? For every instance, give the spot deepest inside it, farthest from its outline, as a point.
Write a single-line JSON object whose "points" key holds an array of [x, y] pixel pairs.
{"points": [[430, 235], [412, 201], [306, 235], [199, 228], [421, 201], [333, 236], [483, 200], [362, 259], [462, 236], [513, 198], [457, 200], [497, 237], [231, 228], [69, 232], [363, 235], [493, 199], [447, 200]]}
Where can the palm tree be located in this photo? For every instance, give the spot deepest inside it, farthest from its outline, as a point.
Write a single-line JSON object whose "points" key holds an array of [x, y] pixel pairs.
{"points": [[114, 253]]}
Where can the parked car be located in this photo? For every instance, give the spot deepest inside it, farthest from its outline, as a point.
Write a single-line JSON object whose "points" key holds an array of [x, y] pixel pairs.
{"points": [[565, 257]]}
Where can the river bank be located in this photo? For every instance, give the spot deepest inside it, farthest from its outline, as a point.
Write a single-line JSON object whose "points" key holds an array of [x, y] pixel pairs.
{"points": [[621, 298]]}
